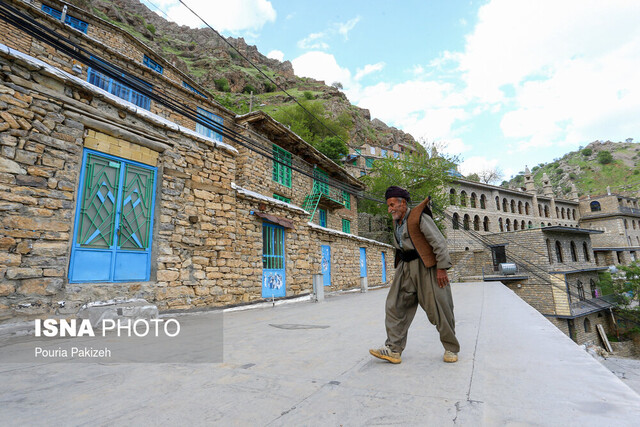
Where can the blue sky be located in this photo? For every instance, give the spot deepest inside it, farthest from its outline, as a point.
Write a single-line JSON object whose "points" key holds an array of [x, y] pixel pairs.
{"points": [[501, 83]]}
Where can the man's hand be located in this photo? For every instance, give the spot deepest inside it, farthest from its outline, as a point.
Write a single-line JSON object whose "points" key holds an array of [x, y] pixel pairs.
{"points": [[442, 277]]}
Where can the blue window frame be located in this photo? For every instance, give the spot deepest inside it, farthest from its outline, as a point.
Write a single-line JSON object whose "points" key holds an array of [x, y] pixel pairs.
{"points": [[119, 89], [193, 89], [152, 64], [114, 220], [208, 131], [323, 217], [383, 153], [76, 23]]}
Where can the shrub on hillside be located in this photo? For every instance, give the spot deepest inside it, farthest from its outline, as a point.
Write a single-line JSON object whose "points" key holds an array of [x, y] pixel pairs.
{"points": [[587, 152], [248, 89], [604, 157], [308, 95], [222, 84]]}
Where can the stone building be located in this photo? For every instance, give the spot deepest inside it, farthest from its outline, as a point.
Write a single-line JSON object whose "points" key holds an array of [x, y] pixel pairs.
{"points": [[121, 179], [618, 217]]}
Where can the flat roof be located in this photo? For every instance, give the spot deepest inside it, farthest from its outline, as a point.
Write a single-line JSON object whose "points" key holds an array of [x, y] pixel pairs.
{"points": [[564, 229]]}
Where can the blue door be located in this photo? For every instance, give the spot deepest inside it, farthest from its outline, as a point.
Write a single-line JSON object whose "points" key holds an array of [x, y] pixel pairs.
{"points": [[384, 268], [273, 264], [326, 265], [114, 220], [363, 262]]}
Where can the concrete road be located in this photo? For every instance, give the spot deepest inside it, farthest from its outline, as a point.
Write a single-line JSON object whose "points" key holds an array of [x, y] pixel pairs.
{"points": [[308, 364]]}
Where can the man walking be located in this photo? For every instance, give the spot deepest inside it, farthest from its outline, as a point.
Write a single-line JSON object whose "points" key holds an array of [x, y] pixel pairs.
{"points": [[422, 260]]}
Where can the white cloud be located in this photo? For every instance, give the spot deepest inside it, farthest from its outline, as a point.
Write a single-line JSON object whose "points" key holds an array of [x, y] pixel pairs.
{"points": [[368, 69], [276, 54], [477, 164], [312, 41], [344, 28], [321, 66], [417, 70], [224, 16]]}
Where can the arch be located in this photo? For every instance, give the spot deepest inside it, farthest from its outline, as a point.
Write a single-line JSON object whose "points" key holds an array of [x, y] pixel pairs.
{"points": [[505, 205], [530, 224], [585, 250], [474, 200], [522, 225], [463, 198], [520, 207], [595, 206], [526, 208], [573, 212], [587, 325], [456, 221], [507, 225], [513, 206], [574, 254], [549, 251], [559, 252], [500, 225], [594, 289], [626, 224], [515, 225], [557, 212], [476, 223], [465, 222], [580, 291], [497, 203], [485, 223], [539, 209], [483, 202], [562, 213], [452, 196], [546, 211], [542, 225]]}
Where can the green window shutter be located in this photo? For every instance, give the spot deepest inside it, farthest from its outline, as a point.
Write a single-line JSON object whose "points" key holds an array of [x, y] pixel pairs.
{"points": [[282, 198], [346, 226], [281, 166], [369, 162], [346, 198]]}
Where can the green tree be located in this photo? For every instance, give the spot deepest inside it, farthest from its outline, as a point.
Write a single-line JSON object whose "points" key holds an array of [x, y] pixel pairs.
{"points": [[473, 177], [604, 157], [334, 148], [587, 152], [422, 173]]}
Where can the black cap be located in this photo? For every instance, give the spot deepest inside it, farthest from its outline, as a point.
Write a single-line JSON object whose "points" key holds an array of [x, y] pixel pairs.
{"points": [[394, 191]]}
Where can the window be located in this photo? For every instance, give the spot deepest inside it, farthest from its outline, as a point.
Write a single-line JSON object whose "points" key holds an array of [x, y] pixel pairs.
{"points": [[369, 162], [456, 221], [68, 19], [463, 198], [526, 208], [574, 255], [483, 202], [595, 206], [626, 224], [513, 206], [465, 222], [322, 217], [585, 250], [557, 212], [580, 291], [594, 289], [152, 64], [320, 181], [281, 166], [476, 223], [587, 325], [452, 196], [530, 224], [558, 252], [562, 213], [372, 150], [546, 211], [498, 256], [193, 89], [383, 153], [118, 89], [500, 224], [346, 199], [396, 155], [497, 203], [549, 251], [213, 122], [114, 220], [485, 224], [358, 151], [515, 225], [539, 210], [520, 208], [473, 200], [505, 205], [282, 198], [346, 226], [507, 225]]}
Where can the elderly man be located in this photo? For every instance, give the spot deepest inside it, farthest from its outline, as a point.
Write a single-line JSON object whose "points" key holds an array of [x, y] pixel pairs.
{"points": [[422, 260]]}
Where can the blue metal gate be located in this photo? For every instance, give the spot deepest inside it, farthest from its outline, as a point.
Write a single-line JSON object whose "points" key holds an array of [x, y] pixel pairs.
{"points": [[363, 262], [273, 264], [384, 268], [326, 265]]}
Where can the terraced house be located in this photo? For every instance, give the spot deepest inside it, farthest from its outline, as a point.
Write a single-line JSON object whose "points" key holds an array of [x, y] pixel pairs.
{"points": [[121, 178]]}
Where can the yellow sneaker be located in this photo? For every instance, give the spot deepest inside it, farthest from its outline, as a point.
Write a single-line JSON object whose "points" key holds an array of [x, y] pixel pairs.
{"points": [[450, 357], [385, 353]]}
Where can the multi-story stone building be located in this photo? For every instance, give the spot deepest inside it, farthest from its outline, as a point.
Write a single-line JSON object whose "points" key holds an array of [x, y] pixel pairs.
{"points": [[121, 178], [618, 217]]}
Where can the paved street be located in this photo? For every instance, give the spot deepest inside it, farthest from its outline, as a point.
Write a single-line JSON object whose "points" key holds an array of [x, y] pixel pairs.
{"points": [[308, 364]]}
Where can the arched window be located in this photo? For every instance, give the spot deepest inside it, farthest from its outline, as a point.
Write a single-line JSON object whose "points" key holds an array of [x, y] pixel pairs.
{"points": [[558, 252], [522, 225], [515, 225], [465, 222], [483, 202], [557, 212], [549, 251], [497, 203], [587, 325], [530, 224], [505, 205], [539, 210], [513, 206], [520, 208], [507, 225], [581, 291], [562, 213], [542, 225], [526, 208], [633, 223], [456, 221], [595, 206], [626, 225], [594, 290], [574, 255], [585, 249], [476, 223], [452, 196], [463, 198], [573, 211], [474, 200], [485, 223], [500, 225], [546, 211]]}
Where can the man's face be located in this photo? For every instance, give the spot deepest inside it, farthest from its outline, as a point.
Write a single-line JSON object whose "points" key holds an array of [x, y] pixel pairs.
{"points": [[397, 207]]}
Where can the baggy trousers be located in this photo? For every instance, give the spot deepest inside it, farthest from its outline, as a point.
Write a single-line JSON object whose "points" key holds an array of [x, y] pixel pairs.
{"points": [[415, 284]]}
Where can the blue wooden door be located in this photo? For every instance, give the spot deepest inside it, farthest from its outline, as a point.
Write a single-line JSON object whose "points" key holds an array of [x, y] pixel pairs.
{"points": [[326, 265], [384, 268], [323, 217], [363, 262], [273, 262], [114, 220]]}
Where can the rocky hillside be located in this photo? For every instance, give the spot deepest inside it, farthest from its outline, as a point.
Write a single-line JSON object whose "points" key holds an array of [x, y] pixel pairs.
{"points": [[592, 168], [230, 79]]}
